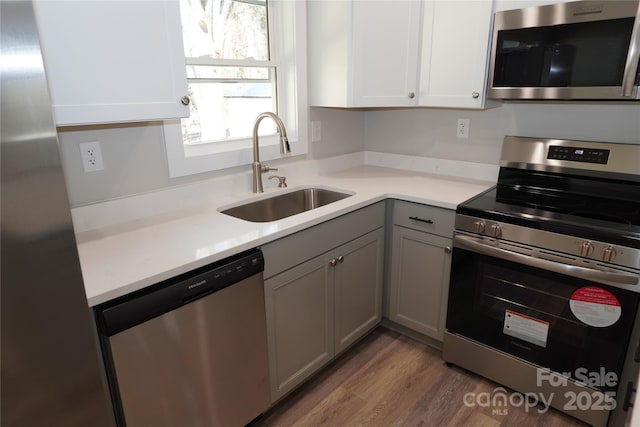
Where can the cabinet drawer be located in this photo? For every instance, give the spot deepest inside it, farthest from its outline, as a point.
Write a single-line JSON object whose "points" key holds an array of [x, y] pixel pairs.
{"points": [[424, 218], [299, 247]]}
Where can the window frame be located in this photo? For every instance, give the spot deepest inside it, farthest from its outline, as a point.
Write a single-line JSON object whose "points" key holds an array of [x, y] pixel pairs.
{"points": [[287, 44]]}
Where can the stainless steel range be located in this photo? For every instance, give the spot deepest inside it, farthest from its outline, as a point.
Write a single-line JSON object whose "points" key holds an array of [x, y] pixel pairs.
{"points": [[544, 290]]}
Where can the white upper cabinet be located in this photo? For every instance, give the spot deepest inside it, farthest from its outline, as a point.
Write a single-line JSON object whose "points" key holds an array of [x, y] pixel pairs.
{"points": [[113, 61], [455, 53], [363, 53]]}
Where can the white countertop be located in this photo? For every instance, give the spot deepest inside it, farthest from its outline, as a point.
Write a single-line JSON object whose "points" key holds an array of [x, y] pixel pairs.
{"points": [[124, 248]]}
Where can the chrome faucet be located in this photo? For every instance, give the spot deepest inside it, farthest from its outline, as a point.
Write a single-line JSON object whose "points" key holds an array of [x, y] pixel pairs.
{"points": [[258, 168]]}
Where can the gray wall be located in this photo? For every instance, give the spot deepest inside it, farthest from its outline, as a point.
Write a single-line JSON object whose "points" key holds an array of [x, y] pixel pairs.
{"points": [[595, 122], [132, 155], [431, 132], [343, 132], [135, 163]]}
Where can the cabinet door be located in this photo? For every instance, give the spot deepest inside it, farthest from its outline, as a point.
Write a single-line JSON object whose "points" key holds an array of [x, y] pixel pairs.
{"points": [[110, 61], [420, 267], [454, 58], [299, 307], [385, 53], [358, 287]]}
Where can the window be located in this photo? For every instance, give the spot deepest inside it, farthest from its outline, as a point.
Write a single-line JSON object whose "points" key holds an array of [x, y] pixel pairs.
{"points": [[243, 57]]}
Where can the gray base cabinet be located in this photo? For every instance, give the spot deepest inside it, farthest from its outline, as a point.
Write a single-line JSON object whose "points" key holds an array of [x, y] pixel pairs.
{"points": [[357, 284], [319, 307], [299, 307], [420, 267]]}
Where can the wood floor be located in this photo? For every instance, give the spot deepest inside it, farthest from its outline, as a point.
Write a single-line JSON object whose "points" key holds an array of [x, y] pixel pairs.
{"points": [[391, 380]]}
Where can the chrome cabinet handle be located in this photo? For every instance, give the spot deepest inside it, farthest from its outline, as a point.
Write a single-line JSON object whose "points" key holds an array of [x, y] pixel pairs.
{"points": [[412, 95], [415, 218], [475, 95], [185, 100], [336, 261], [609, 278], [447, 249]]}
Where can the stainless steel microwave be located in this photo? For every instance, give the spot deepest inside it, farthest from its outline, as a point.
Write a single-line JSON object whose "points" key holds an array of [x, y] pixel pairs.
{"points": [[576, 50]]}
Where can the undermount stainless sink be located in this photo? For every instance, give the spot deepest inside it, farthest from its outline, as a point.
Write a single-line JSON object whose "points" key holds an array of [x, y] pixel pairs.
{"points": [[285, 205]]}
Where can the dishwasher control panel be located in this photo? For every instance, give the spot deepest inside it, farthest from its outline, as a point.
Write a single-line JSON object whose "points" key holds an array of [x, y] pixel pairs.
{"points": [[131, 310]]}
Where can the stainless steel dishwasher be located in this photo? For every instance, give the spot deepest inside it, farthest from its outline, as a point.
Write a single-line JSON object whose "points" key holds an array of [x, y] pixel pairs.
{"points": [[191, 351]]}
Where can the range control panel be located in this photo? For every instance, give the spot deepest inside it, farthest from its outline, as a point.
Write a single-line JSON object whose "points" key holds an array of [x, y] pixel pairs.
{"points": [[507, 234], [585, 155]]}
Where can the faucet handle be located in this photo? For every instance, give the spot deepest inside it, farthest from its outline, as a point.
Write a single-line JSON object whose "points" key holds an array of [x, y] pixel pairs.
{"points": [[265, 168], [282, 180]]}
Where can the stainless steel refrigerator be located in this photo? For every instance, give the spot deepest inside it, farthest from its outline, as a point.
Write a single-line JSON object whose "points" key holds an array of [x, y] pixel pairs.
{"points": [[51, 369]]}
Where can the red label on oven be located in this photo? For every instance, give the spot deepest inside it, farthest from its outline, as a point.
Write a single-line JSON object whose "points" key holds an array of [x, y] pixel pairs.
{"points": [[595, 306]]}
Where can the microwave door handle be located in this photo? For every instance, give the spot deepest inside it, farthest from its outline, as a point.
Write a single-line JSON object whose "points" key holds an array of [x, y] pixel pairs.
{"points": [[605, 277], [633, 58]]}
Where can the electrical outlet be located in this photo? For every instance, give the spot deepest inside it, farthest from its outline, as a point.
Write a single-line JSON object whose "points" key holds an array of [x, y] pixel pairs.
{"points": [[91, 156], [316, 131], [462, 131]]}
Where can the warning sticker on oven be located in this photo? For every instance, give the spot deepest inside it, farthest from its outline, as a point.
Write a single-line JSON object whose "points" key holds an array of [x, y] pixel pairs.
{"points": [[526, 328], [595, 306]]}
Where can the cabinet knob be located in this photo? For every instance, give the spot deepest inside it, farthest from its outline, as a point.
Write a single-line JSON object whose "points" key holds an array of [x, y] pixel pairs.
{"points": [[447, 249], [185, 100], [340, 259], [475, 95], [412, 95], [333, 262]]}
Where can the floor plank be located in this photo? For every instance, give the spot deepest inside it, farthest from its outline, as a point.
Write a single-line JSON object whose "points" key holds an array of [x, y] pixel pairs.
{"points": [[390, 380]]}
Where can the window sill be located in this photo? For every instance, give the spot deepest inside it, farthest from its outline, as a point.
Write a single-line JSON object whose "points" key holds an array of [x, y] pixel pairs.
{"points": [[191, 159]]}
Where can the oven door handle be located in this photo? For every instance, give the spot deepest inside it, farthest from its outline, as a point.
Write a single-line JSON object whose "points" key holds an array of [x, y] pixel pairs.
{"points": [[605, 277]]}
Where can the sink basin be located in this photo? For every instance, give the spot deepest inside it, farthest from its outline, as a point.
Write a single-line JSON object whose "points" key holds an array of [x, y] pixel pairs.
{"points": [[284, 205]]}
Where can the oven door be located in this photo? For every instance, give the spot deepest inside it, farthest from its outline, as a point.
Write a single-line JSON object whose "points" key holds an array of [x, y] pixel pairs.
{"points": [[572, 320]]}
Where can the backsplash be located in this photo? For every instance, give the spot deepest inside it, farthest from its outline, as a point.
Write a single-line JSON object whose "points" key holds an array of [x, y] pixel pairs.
{"points": [[431, 132], [135, 162]]}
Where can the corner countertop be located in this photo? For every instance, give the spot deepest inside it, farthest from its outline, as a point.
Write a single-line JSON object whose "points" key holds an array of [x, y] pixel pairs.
{"points": [[131, 250]]}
